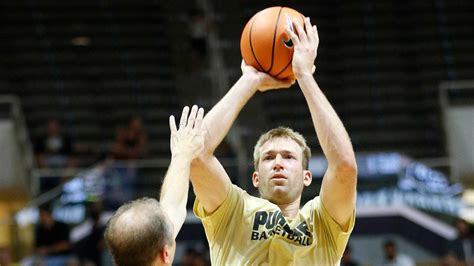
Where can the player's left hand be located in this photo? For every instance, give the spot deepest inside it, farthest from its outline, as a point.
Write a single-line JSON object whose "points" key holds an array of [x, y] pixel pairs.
{"points": [[305, 47], [188, 139]]}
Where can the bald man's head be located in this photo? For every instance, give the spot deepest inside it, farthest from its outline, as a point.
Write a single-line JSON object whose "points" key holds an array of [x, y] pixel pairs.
{"points": [[137, 233]]}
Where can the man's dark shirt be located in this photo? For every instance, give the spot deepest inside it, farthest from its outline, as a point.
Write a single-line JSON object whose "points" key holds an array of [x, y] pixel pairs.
{"points": [[46, 237]]}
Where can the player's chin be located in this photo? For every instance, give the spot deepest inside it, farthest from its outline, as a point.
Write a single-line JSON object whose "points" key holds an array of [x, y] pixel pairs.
{"points": [[279, 190], [279, 195]]}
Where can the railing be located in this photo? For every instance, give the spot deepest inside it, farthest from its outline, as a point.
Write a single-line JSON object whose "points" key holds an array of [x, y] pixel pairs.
{"points": [[220, 83], [457, 104], [100, 169], [13, 111]]}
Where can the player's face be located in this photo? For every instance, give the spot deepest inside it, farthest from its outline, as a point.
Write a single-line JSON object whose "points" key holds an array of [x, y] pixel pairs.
{"points": [[280, 177]]}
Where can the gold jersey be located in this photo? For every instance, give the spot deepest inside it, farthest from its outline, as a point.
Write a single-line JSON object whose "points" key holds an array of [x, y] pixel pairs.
{"points": [[247, 230]]}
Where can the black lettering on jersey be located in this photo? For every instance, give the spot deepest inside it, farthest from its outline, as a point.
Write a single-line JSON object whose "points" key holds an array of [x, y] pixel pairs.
{"points": [[282, 221], [303, 228], [271, 220], [280, 218], [299, 240], [267, 225], [291, 236], [277, 229], [254, 235], [260, 219]]}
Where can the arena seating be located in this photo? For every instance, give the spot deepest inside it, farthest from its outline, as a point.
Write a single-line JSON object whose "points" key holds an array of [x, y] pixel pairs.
{"points": [[122, 67], [92, 64], [378, 63]]}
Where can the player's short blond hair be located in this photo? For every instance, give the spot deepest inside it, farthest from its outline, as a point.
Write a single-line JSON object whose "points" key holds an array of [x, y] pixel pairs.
{"points": [[282, 132]]}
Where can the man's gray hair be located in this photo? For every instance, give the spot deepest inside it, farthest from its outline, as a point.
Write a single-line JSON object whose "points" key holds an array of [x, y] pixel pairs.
{"points": [[137, 232]]}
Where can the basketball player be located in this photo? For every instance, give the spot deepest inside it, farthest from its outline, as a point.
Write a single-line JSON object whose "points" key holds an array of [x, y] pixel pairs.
{"points": [[143, 232], [273, 229]]}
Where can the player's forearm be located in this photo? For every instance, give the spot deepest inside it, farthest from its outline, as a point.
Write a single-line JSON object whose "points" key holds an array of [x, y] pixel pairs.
{"points": [[219, 120], [331, 133], [174, 191]]}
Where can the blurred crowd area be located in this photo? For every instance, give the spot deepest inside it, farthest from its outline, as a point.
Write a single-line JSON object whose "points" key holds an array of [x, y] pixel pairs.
{"points": [[97, 81]]}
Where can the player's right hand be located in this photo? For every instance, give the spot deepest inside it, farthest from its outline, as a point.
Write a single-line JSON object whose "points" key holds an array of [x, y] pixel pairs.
{"points": [[264, 81]]}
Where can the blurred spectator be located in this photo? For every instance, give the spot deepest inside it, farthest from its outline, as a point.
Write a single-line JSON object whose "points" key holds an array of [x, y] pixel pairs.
{"points": [[346, 259], [54, 150], [450, 259], [392, 258], [52, 244], [89, 248], [462, 248], [130, 142], [193, 258]]}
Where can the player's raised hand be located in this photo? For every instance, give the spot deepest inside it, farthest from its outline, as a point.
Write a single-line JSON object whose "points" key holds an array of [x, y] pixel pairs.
{"points": [[306, 44], [188, 139]]}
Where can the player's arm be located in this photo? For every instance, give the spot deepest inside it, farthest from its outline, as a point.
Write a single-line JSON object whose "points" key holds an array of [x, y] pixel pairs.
{"points": [[210, 181], [185, 142], [338, 191]]}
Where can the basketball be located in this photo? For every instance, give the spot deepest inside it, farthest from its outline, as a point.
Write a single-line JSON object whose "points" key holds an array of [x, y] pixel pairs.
{"points": [[264, 43]]}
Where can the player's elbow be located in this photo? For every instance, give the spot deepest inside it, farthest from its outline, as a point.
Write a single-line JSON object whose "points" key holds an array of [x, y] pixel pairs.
{"points": [[347, 167]]}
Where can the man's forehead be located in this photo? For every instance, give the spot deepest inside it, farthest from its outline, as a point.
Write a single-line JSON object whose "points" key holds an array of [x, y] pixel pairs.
{"points": [[280, 144]]}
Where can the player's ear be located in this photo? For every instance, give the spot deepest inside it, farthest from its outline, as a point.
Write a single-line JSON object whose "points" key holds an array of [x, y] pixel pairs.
{"points": [[255, 179], [307, 177], [165, 255]]}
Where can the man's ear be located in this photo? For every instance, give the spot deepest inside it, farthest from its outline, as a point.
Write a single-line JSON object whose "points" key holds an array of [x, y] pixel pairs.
{"points": [[307, 177], [255, 179], [165, 254]]}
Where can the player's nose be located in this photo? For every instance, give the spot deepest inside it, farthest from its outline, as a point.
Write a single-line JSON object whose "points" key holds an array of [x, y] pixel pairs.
{"points": [[278, 163]]}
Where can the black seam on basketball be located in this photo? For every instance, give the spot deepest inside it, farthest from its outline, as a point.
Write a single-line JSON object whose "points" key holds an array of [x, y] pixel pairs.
{"points": [[251, 46], [274, 36], [304, 27], [289, 63]]}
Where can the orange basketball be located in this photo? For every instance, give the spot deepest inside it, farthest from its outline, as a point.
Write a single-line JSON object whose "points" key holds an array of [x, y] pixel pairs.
{"points": [[265, 44]]}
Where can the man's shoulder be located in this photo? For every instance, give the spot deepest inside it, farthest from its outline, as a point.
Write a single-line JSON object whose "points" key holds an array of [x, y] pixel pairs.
{"points": [[252, 203], [312, 204], [247, 196]]}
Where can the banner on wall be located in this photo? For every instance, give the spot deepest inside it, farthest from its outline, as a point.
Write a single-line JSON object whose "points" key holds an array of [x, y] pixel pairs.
{"points": [[386, 179]]}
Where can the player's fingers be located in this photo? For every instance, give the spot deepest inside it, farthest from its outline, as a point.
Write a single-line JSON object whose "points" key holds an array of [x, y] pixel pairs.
{"points": [[199, 119], [192, 117], [184, 117], [172, 125], [309, 29], [294, 38], [316, 35], [301, 33]]}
